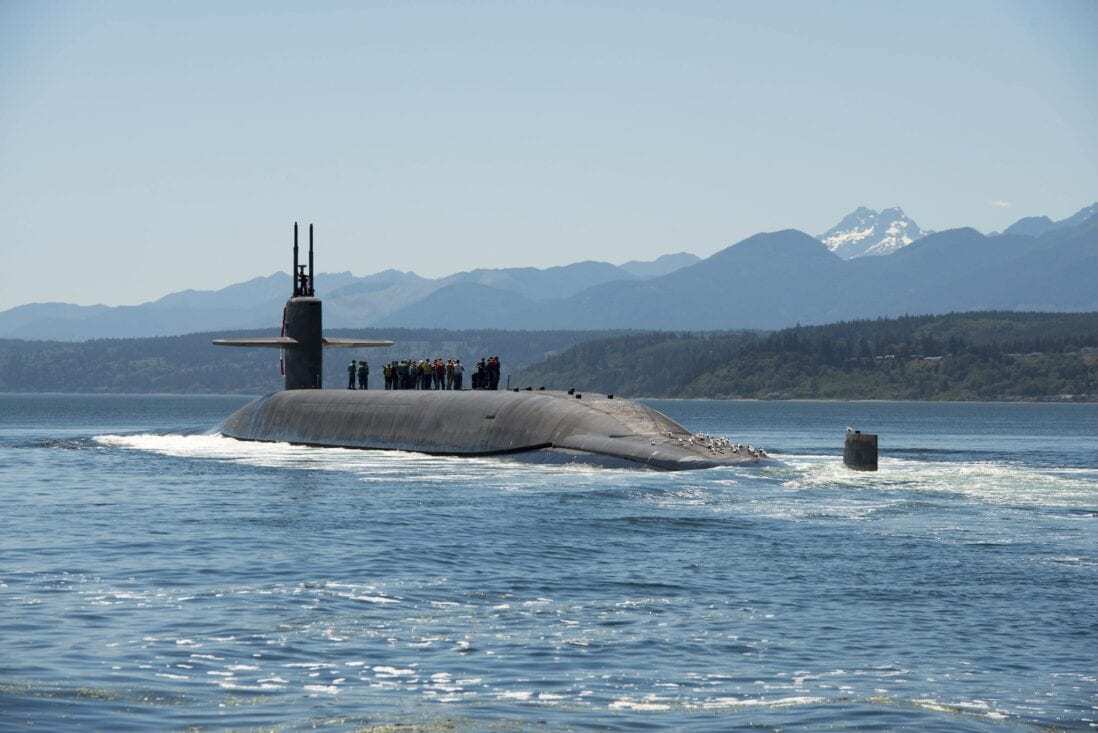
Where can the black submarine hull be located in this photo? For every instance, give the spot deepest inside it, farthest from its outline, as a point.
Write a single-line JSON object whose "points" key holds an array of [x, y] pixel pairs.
{"points": [[479, 423]]}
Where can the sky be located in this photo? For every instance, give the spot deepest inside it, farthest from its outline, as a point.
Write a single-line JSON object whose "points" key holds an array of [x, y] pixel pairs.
{"points": [[153, 147]]}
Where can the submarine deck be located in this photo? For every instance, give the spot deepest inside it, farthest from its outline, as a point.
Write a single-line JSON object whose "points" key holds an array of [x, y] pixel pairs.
{"points": [[475, 422]]}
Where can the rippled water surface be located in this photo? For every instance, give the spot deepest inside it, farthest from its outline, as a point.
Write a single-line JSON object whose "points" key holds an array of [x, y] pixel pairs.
{"points": [[156, 575]]}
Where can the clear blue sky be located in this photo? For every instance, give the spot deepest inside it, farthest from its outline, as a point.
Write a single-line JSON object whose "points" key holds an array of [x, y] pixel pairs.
{"points": [[153, 146]]}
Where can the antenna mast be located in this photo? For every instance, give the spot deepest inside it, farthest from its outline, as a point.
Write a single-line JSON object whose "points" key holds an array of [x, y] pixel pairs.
{"points": [[311, 289], [294, 272]]}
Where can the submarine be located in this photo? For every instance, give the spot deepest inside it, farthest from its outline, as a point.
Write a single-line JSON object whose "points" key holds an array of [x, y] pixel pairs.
{"points": [[536, 425]]}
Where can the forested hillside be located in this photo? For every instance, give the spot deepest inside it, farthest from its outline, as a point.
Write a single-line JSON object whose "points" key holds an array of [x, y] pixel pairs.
{"points": [[189, 364], [963, 356]]}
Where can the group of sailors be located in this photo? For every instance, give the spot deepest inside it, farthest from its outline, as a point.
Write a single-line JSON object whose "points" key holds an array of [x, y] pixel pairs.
{"points": [[424, 374], [486, 374], [359, 370], [430, 374]]}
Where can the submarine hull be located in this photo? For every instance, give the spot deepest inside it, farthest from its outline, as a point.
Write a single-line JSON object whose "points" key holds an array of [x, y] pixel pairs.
{"points": [[477, 423]]}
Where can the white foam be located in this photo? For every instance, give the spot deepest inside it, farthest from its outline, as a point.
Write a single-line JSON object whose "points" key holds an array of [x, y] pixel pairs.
{"points": [[383, 671], [321, 689], [373, 466], [747, 702], [967, 707], [984, 481], [519, 695], [646, 704], [374, 599]]}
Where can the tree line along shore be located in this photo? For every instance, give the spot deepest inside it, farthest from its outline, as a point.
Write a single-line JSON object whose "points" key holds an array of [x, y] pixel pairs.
{"points": [[993, 356], [959, 356], [191, 364]]}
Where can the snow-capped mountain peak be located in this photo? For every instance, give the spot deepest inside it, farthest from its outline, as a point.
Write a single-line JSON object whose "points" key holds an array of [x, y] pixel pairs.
{"points": [[865, 232]]}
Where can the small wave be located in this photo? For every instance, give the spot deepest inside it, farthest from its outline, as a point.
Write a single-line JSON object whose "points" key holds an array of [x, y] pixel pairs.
{"points": [[385, 671], [59, 444], [321, 689], [687, 522], [519, 695], [1073, 560], [756, 702], [972, 707], [646, 704]]}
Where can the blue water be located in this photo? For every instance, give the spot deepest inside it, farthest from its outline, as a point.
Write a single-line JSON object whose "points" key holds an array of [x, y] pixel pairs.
{"points": [[154, 575]]}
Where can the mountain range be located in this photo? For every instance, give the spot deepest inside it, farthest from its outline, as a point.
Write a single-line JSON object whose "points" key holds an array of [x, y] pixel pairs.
{"points": [[769, 280], [1035, 226], [386, 297]]}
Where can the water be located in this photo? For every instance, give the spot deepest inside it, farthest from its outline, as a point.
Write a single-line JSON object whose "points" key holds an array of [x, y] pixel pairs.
{"points": [[154, 575]]}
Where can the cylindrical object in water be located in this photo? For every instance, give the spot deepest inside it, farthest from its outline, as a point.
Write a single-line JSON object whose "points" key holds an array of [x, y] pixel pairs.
{"points": [[860, 451]]}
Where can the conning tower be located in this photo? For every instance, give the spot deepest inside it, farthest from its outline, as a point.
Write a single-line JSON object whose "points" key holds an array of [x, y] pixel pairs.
{"points": [[302, 321], [302, 339]]}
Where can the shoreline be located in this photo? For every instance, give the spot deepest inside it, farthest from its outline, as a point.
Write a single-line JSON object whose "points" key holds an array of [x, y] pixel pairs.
{"points": [[822, 400]]}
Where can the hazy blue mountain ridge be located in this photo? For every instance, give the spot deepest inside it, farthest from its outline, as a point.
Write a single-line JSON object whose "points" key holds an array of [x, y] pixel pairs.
{"points": [[662, 265], [371, 298], [543, 284], [783, 278], [460, 303], [350, 302], [769, 280], [1035, 226]]}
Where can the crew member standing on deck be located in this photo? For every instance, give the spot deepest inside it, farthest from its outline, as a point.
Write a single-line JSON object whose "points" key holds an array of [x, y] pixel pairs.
{"points": [[363, 375], [493, 372], [352, 369], [459, 371]]}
